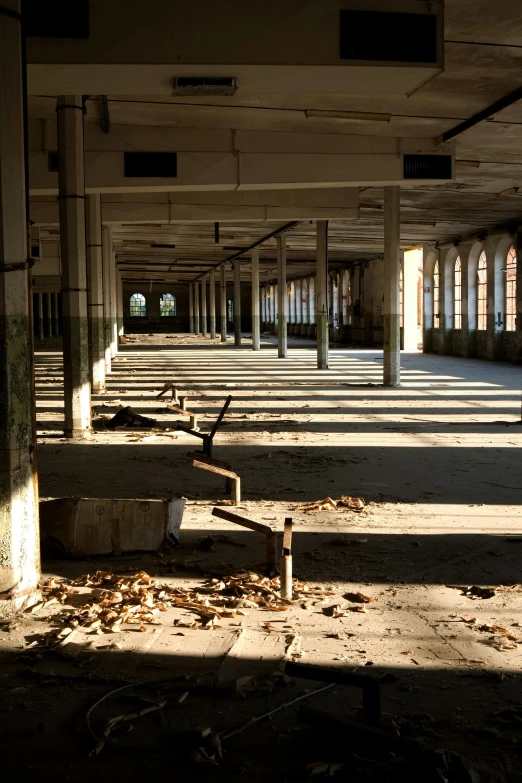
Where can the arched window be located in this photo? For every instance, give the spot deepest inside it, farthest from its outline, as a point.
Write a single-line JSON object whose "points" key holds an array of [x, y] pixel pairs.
{"points": [[436, 293], [482, 292], [168, 305], [511, 290], [138, 306], [457, 295]]}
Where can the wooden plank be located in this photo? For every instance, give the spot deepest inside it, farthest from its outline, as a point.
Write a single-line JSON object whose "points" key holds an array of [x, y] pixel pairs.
{"points": [[198, 455], [214, 469], [239, 520]]}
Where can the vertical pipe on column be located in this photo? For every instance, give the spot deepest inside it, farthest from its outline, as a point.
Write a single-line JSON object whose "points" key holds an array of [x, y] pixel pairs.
{"points": [[256, 320], [321, 295], [212, 304], [49, 315], [19, 543], [392, 355], [107, 250], [223, 303], [71, 186], [197, 328], [40, 317], [237, 302], [95, 293], [282, 298], [191, 307], [204, 306]]}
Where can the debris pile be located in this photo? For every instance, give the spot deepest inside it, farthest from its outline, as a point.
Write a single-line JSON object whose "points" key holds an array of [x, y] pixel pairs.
{"points": [[328, 504], [116, 601]]}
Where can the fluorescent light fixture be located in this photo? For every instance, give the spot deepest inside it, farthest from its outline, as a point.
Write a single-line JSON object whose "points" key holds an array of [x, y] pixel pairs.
{"points": [[347, 116]]}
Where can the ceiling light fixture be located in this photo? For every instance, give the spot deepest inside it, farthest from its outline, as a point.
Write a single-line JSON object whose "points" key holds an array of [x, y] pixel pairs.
{"points": [[347, 116]]}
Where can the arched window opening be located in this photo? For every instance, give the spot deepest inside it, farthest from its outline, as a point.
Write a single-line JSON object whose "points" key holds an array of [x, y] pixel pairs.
{"points": [[482, 292], [230, 311], [457, 295], [436, 294], [168, 305], [511, 290], [138, 306]]}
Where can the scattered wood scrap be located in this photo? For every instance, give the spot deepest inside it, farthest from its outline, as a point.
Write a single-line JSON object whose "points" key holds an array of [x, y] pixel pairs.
{"points": [[328, 504]]}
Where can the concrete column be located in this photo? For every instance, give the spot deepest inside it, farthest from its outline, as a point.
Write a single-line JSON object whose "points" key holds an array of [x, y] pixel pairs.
{"points": [[256, 320], [197, 329], [237, 302], [391, 309], [114, 306], [282, 298], [321, 294], [71, 186], [56, 315], [107, 252], [518, 290], [19, 542], [204, 306], [95, 292], [49, 314], [212, 325], [121, 324], [223, 303], [40, 317], [191, 307]]}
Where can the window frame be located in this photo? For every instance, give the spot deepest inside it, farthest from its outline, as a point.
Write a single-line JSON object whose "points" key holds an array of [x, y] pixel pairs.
{"points": [[164, 300], [482, 292], [140, 304], [510, 317]]}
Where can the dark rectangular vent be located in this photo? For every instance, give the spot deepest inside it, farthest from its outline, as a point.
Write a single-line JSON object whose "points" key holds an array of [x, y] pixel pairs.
{"points": [[150, 164], [52, 161], [203, 85], [159, 244], [427, 167], [56, 18], [387, 36]]}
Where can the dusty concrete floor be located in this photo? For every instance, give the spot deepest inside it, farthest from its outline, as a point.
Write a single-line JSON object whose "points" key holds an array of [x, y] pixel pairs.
{"points": [[438, 462]]}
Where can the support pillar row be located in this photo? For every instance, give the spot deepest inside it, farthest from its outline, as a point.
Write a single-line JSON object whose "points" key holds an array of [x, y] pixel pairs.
{"points": [[95, 293], [191, 307], [204, 306], [212, 304], [71, 188], [19, 535], [321, 294], [237, 302], [223, 303], [282, 299], [256, 320], [391, 309], [197, 329]]}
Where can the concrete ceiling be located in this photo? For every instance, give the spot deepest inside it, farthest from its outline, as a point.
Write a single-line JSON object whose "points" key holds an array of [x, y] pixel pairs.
{"points": [[483, 63]]}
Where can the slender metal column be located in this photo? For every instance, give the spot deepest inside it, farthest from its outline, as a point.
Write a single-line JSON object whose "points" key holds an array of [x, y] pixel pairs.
{"points": [[114, 305], [223, 303], [204, 306], [391, 309], [191, 307], [107, 252], [321, 295], [49, 314], [19, 537], [56, 315], [71, 187], [212, 303], [282, 298], [197, 329], [95, 293], [237, 302], [40, 317], [256, 320], [119, 298]]}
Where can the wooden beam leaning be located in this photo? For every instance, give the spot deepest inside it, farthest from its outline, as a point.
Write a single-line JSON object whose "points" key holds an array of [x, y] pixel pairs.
{"points": [[271, 535], [193, 417]]}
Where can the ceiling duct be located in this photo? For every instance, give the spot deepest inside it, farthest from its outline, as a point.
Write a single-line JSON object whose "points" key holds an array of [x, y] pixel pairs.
{"points": [[187, 86]]}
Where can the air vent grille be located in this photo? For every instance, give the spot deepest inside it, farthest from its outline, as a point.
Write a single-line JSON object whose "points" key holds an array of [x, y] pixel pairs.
{"points": [[387, 36], [150, 164], [427, 167], [203, 85]]}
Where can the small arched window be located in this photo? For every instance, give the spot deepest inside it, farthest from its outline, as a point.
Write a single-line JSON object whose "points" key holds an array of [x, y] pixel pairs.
{"points": [[457, 295], [168, 305], [436, 293], [138, 306], [482, 292], [511, 290]]}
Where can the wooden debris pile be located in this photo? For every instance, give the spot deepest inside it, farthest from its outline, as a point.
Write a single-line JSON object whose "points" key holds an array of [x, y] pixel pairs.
{"points": [[328, 504], [115, 601]]}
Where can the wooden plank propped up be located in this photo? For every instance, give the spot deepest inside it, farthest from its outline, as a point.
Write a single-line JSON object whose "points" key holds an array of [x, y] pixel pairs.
{"points": [[271, 535]]}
